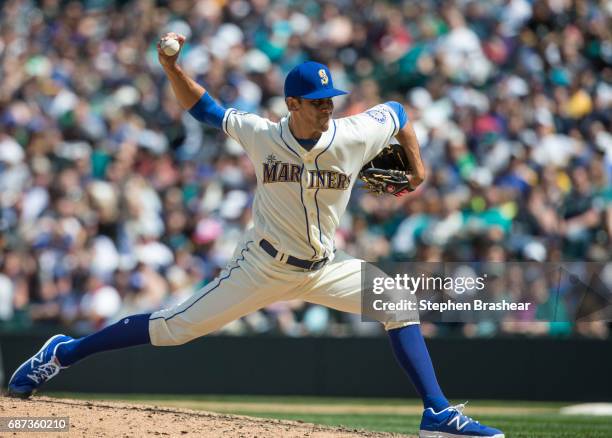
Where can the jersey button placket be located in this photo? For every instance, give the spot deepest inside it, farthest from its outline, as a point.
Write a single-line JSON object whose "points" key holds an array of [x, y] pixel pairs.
{"points": [[309, 202]]}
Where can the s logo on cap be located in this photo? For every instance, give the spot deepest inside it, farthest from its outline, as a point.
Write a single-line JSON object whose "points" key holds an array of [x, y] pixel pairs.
{"points": [[310, 80], [323, 76]]}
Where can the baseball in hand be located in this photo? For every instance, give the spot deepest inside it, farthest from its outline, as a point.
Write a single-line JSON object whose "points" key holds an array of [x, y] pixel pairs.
{"points": [[170, 46]]}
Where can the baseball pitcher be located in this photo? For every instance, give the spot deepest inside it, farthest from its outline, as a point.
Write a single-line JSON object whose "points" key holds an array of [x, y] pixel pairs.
{"points": [[306, 167]]}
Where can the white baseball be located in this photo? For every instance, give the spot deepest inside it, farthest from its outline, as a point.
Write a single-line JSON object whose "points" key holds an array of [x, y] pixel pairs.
{"points": [[170, 46]]}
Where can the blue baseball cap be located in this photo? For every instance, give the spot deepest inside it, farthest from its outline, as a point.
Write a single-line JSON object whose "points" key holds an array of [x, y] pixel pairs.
{"points": [[311, 80]]}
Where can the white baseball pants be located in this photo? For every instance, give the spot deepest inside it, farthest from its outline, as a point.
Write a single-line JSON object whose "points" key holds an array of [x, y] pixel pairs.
{"points": [[252, 281]]}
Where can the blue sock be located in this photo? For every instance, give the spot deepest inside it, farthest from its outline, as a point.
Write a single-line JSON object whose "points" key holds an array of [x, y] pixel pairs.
{"points": [[130, 331], [411, 352]]}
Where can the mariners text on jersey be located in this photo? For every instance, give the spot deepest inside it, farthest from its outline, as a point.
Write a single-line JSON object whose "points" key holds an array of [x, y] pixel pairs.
{"points": [[274, 171]]}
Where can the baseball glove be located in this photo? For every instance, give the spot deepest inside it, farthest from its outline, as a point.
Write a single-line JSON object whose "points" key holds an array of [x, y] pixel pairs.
{"points": [[388, 172]]}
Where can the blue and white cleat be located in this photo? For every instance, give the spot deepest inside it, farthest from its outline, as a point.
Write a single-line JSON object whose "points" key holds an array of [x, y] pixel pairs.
{"points": [[451, 423], [38, 369]]}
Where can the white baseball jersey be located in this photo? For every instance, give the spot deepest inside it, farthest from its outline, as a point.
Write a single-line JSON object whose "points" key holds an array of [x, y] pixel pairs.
{"points": [[302, 194], [299, 200]]}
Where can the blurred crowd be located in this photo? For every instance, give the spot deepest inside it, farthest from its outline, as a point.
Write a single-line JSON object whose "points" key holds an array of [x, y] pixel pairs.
{"points": [[114, 201]]}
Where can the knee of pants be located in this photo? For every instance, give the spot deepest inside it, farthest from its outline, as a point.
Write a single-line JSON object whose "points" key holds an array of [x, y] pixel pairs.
{"points": [[166, 334], [395, 325]]}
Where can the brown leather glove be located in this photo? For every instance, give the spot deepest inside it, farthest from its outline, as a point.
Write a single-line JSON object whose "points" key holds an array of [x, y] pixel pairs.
{"points": [[388, 172]]}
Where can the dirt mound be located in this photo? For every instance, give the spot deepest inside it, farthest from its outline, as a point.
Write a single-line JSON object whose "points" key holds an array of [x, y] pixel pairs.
{"points": [[113, 419]]}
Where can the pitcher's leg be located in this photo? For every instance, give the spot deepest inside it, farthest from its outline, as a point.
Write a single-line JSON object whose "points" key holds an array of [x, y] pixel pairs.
{"points": [[339, 286], [61, 351], [242, 288], [412, 355], [128, 332]]}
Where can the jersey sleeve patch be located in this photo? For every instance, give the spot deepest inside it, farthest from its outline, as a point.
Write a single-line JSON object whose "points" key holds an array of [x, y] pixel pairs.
{"points": [[386, 115], [377, 126], [377, 115]]}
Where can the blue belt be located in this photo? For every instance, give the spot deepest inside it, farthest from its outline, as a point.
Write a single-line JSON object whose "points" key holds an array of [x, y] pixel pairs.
{"points": [[309, 265]]}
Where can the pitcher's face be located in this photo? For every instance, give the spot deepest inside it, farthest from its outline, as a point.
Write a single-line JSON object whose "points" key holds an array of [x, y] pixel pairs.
{"points": [[313, 113]]}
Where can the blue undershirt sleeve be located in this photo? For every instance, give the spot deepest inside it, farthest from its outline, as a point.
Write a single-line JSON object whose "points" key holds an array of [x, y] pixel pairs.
{"points": [[206, 110], [398, 109]]}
